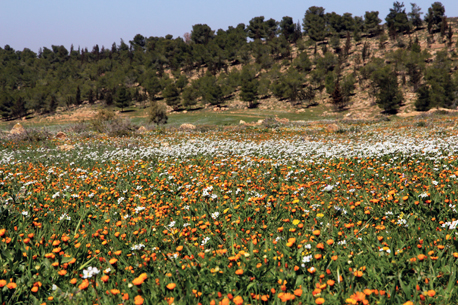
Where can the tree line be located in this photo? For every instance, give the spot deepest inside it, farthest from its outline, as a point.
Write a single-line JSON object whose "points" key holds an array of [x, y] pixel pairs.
{"points": [[297, 62]]}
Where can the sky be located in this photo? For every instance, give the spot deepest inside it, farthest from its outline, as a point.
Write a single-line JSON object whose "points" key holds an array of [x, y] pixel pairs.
{"points": [[84, 23]]}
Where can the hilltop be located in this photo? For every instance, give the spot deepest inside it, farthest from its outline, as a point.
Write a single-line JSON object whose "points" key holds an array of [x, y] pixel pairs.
{"points": [[339, 65]]}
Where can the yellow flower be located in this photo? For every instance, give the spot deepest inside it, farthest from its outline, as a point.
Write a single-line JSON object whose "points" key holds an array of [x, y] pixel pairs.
{"points": [[296, 222], [319, 215]]}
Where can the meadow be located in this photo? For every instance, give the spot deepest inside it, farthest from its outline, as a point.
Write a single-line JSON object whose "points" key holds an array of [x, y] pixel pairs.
{"points": [[257, 215]]}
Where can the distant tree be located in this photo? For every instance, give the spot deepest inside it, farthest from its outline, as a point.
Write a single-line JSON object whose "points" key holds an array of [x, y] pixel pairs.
{"points": [[52, 105], [256, 29], [171, 95], [415, 16], [210, 90], [157, 113], [201, 34], [335, 42], [388, 96], [249, 87], [290, 86], [358, 28], [397, 18], [444, 26], [189, 96], [347, 46], [434, 16], [372, 22], [302, 62], [271, 28], [288, 28], [78, 96], [123, 98], [314, 23], [450, 35], [338, 100], [423, 101], [90, 96], [109, 98], [153, 86]]}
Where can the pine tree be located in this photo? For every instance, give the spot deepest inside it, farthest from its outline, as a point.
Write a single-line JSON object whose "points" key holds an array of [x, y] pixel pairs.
{"points": [[78, 96], [123, 98], [172, 96], [249, 88], [337, 98], [388, 95], [314, 23], [423, 102]]}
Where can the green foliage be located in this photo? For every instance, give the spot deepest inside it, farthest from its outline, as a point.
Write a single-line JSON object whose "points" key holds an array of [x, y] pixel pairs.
{"points": [[371, 23], [434, 16], [289, 86], [157, 113], [415, 16], [123, 98], [423, 101], [302, 62], [388, 95], [171, 95], [397, 18], [201, 34], [314, 23], [249, 86]]}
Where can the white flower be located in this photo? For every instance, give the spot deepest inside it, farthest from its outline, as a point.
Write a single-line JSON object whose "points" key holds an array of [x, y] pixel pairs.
{"points": [[306, 259], [137, 247], [126, 216], [172, 224], [89, 272], [120, 199], [138, 209], [328, 188], [205, 241], [435, 182], [65, 216], [215, 215], [25, 213], [54, 287]]}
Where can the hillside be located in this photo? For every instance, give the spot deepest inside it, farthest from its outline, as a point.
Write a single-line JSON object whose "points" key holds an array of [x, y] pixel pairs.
{"points": [[351, 66]]}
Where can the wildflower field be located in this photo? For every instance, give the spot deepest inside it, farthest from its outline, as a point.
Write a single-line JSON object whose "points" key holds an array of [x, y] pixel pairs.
{"points": [[295, 214]]}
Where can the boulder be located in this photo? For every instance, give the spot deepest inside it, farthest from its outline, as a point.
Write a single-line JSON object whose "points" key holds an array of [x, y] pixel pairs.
{"points": [[187, 126], [142, 129], [242, 122], [282, 121], [332, 128], [66, 147], [259, 122], [61, 135], [185, 111], [17, 129]]}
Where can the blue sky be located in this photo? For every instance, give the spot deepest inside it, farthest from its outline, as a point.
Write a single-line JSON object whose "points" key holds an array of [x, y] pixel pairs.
{"points": [[34, 24]]}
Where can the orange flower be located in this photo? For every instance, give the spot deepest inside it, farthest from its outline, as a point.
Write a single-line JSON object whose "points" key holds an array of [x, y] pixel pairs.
{"points": [[11, 285], [138, 300], [408, 303], [113, 261], [138, 281], [117, 252], [421, 257], [84, 284], [114, 291], [105, 278], [358, 273], [319, 301], [330, 242], [238, 300], [239, 272], [320, 246], [431, 293], [171, 286], [179, 248], [316, 232], [34, 289], [331, 282], [225, 301], [2, 283], [62, 272], [73, 281], [2, 232], [298, 292]]}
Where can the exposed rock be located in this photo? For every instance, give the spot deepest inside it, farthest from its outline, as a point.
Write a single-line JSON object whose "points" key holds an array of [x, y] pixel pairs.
{"points": [[61, 135], [332, 128], [300, 110], [185, 111], [187, 126], [17, 129], [242, 122], [216, 109], [165, 144], [66, 147], [142, 129], [282, 121], [259, 122]]}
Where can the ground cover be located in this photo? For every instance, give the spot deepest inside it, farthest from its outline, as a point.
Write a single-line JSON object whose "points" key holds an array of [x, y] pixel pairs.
{"points": [[364, 215]]}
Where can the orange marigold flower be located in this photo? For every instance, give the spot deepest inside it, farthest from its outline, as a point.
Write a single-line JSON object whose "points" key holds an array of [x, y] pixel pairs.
{"points": [[224, 301], [421, 257], [105, 278], [316, 232], [2, 283], [11, 285], [431, 293], [331, 282], [138, 300], [138, 281], [319, 301], [179, 248], [114, 291], [358, 273], [408, 303], [239, 272], [73, 281], [62, 272], [2, 232], [117, 252], [330, 242], [125, 296], [298, 292], [34, 289], [113, 261], [238, 300], [171, 286], [84, 284]]}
